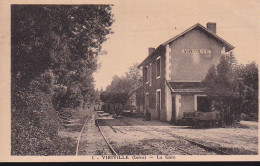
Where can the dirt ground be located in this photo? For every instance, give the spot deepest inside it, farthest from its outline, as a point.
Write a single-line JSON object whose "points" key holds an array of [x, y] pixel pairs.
{"points": [[92, 142], [135, 136], [141, 140]]}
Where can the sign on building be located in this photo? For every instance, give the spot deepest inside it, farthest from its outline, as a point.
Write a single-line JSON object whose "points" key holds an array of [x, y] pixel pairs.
{"points": [[205, 52], [196, 51]]}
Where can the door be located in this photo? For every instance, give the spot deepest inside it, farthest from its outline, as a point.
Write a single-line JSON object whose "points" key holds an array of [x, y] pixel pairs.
{"points": [[173, 110], [146, 103]]}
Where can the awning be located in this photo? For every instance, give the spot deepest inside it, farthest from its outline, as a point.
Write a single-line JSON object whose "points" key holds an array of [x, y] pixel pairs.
{"points": [[185, 87]]}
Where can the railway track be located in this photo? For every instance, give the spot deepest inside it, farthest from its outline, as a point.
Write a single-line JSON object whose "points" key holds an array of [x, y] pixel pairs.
{"points": [[79, 137], [111, 149], [109, 145], [207, 147], [203, 146], [182, 150]]}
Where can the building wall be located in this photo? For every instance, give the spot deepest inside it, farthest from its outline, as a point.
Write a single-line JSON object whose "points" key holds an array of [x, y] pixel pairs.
{"points": [[168, 103], [157, 83], [187, 105], [132, 100], [192, 67], [185, 67], [178, 104], [181, 67]]}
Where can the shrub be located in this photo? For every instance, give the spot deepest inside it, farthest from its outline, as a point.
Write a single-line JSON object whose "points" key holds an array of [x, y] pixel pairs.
{"points": [[35, 123]]}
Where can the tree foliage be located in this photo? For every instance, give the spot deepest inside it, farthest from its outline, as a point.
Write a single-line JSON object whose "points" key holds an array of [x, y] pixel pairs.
{"points": [[121, 88], [227, 84], [54, 54], [63, 39], [248, 75]]}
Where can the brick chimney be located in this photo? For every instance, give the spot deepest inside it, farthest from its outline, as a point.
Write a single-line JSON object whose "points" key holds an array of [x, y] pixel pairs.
{"points": [[150, 50], [212, 26]]}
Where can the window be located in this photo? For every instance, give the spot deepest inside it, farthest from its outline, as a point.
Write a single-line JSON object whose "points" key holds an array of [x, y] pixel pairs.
{"points": [[150, 75], [145, 74], [158, 67]]}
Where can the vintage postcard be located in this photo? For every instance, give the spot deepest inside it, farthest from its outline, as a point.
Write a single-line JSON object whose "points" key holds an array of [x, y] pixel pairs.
{"points": [[150, 80]]}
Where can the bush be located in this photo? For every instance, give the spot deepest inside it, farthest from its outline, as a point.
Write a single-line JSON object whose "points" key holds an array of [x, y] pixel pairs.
{"points": [[249, 117], [148, 116], [35, 124]]}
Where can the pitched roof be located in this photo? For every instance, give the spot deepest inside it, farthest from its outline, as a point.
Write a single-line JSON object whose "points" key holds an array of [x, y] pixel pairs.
{"points": [[154, 52], [227, 45]]}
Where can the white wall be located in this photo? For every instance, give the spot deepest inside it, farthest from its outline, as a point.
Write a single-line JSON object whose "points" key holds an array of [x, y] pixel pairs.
{"points": [[168, 103]]}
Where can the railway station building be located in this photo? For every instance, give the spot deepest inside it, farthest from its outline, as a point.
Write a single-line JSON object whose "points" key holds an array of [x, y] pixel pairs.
{"points": [[173, 72]]}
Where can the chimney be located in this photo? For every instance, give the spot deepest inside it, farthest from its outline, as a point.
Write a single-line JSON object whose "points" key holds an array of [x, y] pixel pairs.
{"points": [[212, 26], [150, 50]]}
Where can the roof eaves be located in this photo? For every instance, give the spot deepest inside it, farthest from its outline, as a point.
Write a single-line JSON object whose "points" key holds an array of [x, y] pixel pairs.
{"points": [[167, 82], [177, 36], [187, 90], [138, 87], [230, 47], [178, 89], [156, 50]]}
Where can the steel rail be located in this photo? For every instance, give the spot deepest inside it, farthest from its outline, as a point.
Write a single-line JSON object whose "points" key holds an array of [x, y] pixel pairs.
{"points": [[182, 150], [110, 147], [207, 147], [77, 149], [194, 143], [201, 145]]}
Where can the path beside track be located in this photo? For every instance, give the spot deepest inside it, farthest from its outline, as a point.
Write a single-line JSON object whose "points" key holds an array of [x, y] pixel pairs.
{"points": [[91, 141]]}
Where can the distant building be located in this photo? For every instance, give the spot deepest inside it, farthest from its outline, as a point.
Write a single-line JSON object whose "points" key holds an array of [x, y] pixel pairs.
{"points": [[132, 99], [172, 73], [139, 100], [136, 100]]}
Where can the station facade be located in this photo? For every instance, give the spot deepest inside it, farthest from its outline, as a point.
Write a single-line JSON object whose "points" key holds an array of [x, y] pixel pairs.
{"points": [[172, 73]]}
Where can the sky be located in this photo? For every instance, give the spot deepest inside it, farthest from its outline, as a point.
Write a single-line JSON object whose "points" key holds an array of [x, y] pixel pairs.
{"points": [[140, 24]]}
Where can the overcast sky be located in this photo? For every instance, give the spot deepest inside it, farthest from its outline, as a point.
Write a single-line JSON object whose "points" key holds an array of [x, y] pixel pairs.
{"points": [[148, 23]]}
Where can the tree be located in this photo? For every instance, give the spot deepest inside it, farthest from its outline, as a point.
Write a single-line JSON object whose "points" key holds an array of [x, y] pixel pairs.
{"points": [[248, 75], [134, 75], [222, 87], [233, 89], [66, 39], [54, 52], [121, 88]]}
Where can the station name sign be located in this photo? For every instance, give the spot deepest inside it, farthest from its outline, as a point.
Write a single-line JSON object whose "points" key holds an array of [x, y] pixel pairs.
{"points": [[196, 51]]}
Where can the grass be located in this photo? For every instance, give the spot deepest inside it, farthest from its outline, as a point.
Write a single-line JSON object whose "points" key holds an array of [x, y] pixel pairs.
{"points": [[71, 133]]}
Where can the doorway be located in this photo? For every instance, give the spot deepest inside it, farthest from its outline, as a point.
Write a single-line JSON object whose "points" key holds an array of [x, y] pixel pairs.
{"points": [[158, 103], [146, 103], [173, 111], [203, 104]]}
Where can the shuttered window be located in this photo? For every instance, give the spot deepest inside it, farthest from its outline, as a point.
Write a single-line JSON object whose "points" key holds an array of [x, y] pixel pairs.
{"points": [[150, 75], [145, 74], [158, 67]]}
